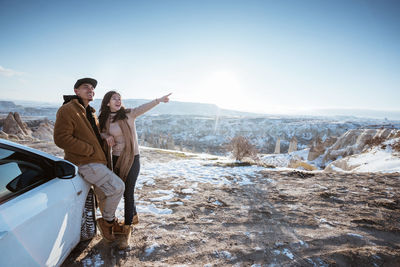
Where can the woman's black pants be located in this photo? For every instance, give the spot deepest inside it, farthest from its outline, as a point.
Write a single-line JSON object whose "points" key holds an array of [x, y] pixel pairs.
{"points": [[130, 182]]}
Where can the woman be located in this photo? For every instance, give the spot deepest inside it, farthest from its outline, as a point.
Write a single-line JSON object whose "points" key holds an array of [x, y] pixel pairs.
{"points": [[117, 126]]}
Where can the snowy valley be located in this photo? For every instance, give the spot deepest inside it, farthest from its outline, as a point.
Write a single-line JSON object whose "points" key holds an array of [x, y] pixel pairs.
{"points": [[332, 200]]}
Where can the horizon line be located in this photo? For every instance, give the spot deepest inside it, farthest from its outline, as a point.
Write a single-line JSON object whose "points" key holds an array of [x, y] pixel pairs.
{"points": [[289, 112]]}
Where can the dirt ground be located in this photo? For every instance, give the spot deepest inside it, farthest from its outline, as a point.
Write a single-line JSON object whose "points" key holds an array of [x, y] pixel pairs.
{"points": [[285, 218]]}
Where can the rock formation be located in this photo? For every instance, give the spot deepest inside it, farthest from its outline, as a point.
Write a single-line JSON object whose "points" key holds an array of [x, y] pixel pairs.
{"points": [[278, 146], [317, 148], [14, 125], [3, 135], [355, 141], [44, 131], [23, 125], [293, 145]]}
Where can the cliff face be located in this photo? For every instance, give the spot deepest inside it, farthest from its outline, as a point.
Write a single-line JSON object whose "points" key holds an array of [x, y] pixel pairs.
{"points": [[362, 147], [356, 141], [318, 147], [209, 134]]}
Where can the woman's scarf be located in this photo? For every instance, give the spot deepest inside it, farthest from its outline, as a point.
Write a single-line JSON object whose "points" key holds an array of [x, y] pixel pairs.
{"points": [[125, 160]]}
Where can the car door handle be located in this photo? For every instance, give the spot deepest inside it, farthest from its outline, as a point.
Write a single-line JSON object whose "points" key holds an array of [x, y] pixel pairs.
{"points": [[3, 234], [79, 192]]}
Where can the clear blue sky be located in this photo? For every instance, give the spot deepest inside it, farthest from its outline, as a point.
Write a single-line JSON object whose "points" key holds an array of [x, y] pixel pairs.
{"points": [[263, 56]]}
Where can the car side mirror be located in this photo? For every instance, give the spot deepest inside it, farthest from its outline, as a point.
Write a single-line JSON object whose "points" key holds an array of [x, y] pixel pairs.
{"points": [[65, 170]]}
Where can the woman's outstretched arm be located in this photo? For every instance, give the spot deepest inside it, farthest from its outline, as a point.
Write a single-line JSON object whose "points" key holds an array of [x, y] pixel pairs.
{"points": [[140, 110]]}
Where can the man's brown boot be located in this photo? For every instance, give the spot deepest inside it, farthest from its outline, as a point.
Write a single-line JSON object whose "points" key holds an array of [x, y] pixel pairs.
{"points": [[123, 240], [106, 230]]}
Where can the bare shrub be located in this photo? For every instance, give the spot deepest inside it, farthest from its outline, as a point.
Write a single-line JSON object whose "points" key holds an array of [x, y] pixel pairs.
{"points": [[396, 146], [376, 141], [242, 148]]}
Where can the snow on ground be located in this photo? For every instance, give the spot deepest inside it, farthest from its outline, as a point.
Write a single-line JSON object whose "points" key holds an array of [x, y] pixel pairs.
{"points": [[308, 204], [282, 160], [378, 160], [201, 168], [188, 173], [375, 159]]}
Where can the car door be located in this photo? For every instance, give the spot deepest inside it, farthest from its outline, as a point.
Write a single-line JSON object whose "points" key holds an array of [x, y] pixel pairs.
{"points": [[37, 220]]}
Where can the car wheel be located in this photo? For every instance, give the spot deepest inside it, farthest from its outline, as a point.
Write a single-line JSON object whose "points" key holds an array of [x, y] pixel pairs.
{"points": [[88, 226]]}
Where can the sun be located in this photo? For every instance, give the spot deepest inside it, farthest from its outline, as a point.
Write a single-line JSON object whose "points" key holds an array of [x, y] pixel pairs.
{"points": [[223, 87]]}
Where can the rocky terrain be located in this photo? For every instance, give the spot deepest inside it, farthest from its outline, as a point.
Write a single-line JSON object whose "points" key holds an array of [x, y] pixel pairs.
{"points": [[339, 149], [205, 210], [30, 129], [204, 128], [244, 216]]}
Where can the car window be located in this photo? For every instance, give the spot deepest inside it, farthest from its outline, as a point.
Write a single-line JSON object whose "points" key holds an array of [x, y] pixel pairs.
{"points": [[19, 173]]}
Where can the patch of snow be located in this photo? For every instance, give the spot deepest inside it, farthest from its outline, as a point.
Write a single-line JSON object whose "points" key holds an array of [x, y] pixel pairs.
{"points": [[355, 235], [245, 181], [163, 198], [163, 192], [223, 254], [151, 249], [217, 203], [269, 180], [152, 209], [174, 203], [194, 170], [94, 261], [376, 160], [188, 191], [287, 253], [322, 220], [226, 254], [179, 182], [276, 252], [302, 243]]}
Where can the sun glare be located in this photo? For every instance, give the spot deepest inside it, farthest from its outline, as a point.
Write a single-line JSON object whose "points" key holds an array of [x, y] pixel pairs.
{"points": [[223, 87]]}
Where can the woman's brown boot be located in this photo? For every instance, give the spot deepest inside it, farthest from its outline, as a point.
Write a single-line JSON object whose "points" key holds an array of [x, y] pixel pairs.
{"points": [[135, 219], [124, 239]]}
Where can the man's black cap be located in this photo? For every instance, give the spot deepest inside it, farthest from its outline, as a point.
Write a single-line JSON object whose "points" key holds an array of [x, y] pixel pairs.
{"points": [[91, 81]]}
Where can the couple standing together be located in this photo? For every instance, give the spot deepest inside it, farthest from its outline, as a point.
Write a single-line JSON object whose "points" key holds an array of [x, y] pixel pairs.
{"points": [[105, 150]]}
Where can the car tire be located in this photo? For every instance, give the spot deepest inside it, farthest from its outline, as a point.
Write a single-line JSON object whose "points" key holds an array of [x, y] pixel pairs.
{"points": [[88, 225]]}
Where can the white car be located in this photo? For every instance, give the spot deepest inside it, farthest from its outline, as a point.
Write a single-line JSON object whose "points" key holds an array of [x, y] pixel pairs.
{"points": [[46, 208]]}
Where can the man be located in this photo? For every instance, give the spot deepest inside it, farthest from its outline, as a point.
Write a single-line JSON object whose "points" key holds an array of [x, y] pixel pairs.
{"points": [[76, 131]]}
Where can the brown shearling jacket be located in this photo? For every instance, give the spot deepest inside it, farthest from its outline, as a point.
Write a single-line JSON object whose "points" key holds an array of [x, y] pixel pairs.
{"points": [[74, 133]]}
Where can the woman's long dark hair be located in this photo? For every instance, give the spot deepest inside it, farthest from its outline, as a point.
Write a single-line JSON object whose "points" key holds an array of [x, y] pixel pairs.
{"points": [[105, 110]]}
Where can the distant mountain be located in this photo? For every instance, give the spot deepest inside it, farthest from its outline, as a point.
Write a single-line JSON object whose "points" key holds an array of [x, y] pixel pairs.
{"points": [[33, 109], [182, 108], [47, 109], [360, 113], [8, 105], [36, 104]]}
